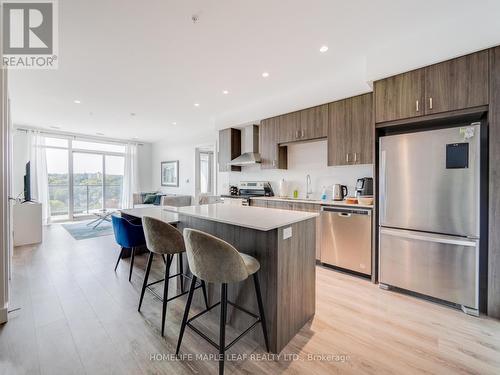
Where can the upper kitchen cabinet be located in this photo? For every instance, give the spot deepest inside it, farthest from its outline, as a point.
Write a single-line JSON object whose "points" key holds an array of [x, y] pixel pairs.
{"points": [[310, 123], [229, 148], [350, 131], [272, 155], [313, 122], [289, 126], [399, 97], [457, 84]]}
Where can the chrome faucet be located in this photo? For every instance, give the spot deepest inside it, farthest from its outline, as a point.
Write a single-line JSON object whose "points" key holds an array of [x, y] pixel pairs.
{"points": [[308, 186]]}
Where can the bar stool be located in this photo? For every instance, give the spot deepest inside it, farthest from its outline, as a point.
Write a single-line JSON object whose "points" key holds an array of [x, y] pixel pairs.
{"points": [[129, 235], [164, 239], [215, 261]]}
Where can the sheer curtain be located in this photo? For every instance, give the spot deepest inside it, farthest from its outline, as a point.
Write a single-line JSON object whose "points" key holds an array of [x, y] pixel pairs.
{"points": [[130, 176], [39, 178]]}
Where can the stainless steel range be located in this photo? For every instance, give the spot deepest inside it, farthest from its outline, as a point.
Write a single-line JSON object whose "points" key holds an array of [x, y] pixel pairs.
{"points": [[247, 190]]}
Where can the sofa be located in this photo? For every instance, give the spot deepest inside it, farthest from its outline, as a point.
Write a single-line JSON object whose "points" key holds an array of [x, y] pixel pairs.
{"points": [[160, 199]]}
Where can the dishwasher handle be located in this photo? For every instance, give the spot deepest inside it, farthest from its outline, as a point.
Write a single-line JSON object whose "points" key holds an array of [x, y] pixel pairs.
{"points": [[345, 212]]}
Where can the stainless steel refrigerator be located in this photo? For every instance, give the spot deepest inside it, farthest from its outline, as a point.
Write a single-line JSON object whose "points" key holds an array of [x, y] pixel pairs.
{"points": [[429, 202]]}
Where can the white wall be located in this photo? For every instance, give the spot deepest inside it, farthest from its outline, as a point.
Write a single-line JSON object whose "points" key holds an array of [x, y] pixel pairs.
{"points": [[183, 151], [144, 156], [303, 159]]}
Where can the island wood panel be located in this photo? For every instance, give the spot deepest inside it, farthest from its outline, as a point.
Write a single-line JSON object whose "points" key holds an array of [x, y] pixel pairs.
{"points": [[396, 97], [494, 187], [457, 84], [287, 277], [296, 280]]}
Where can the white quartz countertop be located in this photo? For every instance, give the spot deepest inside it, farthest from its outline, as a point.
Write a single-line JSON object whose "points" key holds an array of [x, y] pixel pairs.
{"points": [[258, 218], [157, 212], [314, 201]]}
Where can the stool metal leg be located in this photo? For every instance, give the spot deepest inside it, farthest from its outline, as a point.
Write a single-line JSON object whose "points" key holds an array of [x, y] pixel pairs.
{"points": [[261, 310], [119, 257], [205, 296], [186, 313], [163, 256], [165, 293], [146, 276], [131, 264], [181, 270], [222, 334]]}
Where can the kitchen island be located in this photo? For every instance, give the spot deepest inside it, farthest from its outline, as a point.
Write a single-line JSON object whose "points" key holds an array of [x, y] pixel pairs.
{"points": [[284, 244]]}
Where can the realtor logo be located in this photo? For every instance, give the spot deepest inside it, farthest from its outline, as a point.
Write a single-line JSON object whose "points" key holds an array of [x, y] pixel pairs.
{"points": [[29, 30]]}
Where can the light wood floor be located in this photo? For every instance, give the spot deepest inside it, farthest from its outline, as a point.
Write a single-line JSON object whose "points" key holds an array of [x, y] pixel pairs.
{"points": [[75, 315]]}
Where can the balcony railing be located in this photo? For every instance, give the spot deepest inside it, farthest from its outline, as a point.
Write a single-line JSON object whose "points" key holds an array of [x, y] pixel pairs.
{"points": [[87, 198]]}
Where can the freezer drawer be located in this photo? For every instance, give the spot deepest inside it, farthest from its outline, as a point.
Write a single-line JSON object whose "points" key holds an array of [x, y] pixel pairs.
{"points": [[444, 267], [346, 238]]}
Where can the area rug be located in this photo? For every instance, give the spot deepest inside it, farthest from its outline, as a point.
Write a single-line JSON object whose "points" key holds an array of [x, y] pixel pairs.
{"points": [[82, 231]]}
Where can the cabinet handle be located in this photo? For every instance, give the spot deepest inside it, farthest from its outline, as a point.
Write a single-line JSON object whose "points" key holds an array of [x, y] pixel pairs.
{"points": [[430, 103], [302, 133], [347, 158], [274, 163], [416, 106], [296, 134], [355, 157]]}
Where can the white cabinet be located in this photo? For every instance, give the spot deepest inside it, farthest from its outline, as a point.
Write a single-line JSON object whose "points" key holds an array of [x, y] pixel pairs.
{"points": [[27, 223]]}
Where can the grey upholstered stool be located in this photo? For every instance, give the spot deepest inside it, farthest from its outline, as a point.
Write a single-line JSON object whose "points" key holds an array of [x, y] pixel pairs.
{"points": [[215, 261], [164, 239]]}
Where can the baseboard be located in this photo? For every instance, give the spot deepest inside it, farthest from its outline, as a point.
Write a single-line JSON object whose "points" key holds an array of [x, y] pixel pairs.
{"points": [[3, 315]]}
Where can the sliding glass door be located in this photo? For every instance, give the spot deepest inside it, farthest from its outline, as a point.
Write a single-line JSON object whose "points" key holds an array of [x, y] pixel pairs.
{"points": [[88, 172], [84, 176], [97, 182]]}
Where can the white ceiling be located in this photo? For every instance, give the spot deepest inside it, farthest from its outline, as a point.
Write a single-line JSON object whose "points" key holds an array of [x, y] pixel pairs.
{"points": [[147, 57]]}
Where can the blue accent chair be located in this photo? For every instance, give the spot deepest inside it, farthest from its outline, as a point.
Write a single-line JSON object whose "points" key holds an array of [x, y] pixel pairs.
{"points": [[129, 235]]}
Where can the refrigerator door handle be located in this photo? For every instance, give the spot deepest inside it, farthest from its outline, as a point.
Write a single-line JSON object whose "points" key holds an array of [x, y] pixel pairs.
{"points": [[383, 186], [429, 238]]}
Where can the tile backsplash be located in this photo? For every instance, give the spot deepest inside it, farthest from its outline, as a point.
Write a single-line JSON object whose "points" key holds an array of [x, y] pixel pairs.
{"points": [[303, 159]]}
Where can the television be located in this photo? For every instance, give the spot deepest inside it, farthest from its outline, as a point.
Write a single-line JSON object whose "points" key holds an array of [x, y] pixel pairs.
{"points": [[27, 183]]}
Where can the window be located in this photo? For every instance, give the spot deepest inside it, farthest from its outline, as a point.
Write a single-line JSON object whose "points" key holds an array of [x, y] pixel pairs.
{"points": [[58, 176], [95, 171], [205, 178]]}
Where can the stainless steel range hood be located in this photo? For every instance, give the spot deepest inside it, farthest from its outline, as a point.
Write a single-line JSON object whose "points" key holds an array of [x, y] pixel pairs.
{"points": [[249, 146]]}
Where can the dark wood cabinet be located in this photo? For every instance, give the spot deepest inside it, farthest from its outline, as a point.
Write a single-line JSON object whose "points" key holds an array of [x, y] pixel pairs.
{"points": [[401, 96], [457, 84], [229, 148], [310, 123], [350, 131], [288, 127], [313, 122], [272, 155]]}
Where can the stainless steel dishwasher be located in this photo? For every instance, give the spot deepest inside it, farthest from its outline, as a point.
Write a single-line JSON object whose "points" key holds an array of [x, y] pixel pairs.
{"points": [[346, 238]]}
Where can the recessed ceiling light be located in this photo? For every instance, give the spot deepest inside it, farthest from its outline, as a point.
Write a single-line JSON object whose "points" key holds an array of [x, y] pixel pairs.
{"points": [[76, 101], [174, 123], [225, 92], [265, 74], [132, 114], [196, 104], [323, 49]]}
